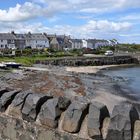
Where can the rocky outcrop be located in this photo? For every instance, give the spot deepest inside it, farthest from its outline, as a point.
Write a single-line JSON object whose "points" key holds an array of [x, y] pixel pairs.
{"points": [[97, 113], [29, 116], [73, 116], [122, 122], [32, 106], [51, 111], [7, 98]]}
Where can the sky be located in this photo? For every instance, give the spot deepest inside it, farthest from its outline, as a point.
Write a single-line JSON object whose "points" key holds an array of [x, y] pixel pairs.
{"points": [[101, 19]]}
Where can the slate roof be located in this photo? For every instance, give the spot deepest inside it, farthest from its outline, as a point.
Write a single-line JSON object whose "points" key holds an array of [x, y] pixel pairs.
{"points": [[6, 36]]}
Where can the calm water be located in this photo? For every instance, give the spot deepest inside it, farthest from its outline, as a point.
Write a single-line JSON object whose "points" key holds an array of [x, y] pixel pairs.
{"points": [[131, 76]]}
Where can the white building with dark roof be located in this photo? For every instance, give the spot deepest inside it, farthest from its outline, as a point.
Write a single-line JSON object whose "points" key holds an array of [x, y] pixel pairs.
{"points": [[36, 41], [7, 41]]}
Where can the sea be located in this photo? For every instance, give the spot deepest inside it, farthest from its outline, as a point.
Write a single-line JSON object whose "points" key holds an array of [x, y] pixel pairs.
{"points": [[130, 76]]}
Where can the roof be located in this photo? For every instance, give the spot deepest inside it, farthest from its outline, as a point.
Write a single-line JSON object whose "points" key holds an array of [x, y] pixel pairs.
{"points": [[36, 36], [76, 40], [5, 36]]}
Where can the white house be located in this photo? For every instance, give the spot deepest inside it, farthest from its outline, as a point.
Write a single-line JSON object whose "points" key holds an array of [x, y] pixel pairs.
{"points": [[76, 43], [38, 41], [85, 43], [7, 40]]}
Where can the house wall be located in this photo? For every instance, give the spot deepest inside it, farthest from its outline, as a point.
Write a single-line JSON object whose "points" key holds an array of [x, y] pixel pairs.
{"points": [[37, 43], [3, 43]]}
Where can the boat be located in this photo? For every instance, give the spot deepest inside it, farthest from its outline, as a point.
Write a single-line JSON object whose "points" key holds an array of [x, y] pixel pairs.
{"points": [[2, 66], [12, 64]]}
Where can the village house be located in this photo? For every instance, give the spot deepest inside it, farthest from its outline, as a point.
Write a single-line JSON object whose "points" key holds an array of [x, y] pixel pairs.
{"points": [[36, 41], [7, 41], [76, 43], [54, 44]]}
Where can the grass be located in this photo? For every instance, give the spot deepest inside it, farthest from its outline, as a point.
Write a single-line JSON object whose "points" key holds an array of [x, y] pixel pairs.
{"points": [[27, 61]]}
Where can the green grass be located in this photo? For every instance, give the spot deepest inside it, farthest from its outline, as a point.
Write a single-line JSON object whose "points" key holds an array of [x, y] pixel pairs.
{"points": [[27, 61]]}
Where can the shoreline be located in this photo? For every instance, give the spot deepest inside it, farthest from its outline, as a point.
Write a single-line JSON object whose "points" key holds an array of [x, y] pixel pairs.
{"points": [[97, 69]]}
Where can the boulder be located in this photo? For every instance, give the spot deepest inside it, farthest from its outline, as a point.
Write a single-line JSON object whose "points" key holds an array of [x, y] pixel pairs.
{"points": [[122, 122], [32, 106], [136, 135], [7, 98], [17, 104], [3, 90], [74, 116], [51, 111], [97, 113]]}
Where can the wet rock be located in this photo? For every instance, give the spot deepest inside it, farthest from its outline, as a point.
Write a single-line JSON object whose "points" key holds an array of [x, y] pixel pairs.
{"points": [[74, 116], [122, 122], [17, 104], [137, 130], [97, 113], [7, 98], [32, 106], [51, 111]]}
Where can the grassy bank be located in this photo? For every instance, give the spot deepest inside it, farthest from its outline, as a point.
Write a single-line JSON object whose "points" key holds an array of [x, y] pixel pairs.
{"points": [[27, 61]]}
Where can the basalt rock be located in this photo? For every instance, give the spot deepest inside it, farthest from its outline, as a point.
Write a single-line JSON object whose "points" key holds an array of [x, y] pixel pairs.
{"points": [[122, 122], [7, 98], [32, 106], [97, 113], [17, 104], [51, 111], [74, 116]]}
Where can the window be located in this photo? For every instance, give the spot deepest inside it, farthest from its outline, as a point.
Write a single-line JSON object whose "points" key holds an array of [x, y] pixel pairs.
{"points": [[1, 46], [1, 40]]}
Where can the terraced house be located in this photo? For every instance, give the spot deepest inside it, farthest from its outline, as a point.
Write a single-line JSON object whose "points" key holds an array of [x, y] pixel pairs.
{"points": [[7, 40]]}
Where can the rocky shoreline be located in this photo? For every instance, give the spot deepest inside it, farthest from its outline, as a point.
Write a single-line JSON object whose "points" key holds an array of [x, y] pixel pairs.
{"points": [[83, 92]]}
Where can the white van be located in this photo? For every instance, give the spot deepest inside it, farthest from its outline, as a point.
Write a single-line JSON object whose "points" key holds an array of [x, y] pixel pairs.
{"points": [[109, 52]]}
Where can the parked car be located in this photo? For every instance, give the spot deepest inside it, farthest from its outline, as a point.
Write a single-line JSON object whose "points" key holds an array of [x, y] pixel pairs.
{"points": [[109, 53]]}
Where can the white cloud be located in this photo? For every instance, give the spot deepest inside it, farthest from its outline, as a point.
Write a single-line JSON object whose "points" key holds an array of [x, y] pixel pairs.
{"points": [[50, 8], [21, 12]]}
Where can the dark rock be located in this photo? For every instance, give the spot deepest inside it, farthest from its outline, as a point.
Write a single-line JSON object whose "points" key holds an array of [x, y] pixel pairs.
{"points": [[17, 104], [97, 113], [122, 122], [74, 116], [63, 103], [51, 111], [3, 90], [32, 106], [20, 98], [7, 98]]}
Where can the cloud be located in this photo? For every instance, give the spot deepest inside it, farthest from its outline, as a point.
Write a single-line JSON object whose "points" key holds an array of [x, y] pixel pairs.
{"points": [[50, 8], [21, 12], [92, 29]]}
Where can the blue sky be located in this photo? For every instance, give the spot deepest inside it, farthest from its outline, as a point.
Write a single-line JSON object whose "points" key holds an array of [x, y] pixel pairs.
{"points": [[105, 19]]}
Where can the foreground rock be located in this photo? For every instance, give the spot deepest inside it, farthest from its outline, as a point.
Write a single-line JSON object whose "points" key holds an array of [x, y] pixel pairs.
{"points": [[7, 98], [74, 116], [122, 122], [97, 113], [51, 111], [32, 106], [17, 104]]}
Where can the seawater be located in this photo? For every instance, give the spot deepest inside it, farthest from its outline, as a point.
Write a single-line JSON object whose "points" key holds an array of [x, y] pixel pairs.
{"points": [[131, 76]]}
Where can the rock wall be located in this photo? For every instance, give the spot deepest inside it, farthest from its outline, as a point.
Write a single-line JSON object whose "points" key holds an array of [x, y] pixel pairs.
{"points": [[86, 61], [29, 116]]}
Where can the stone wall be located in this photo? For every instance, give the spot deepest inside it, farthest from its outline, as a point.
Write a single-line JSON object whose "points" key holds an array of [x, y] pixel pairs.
{"points": [[29, 116], [89, 61]]}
